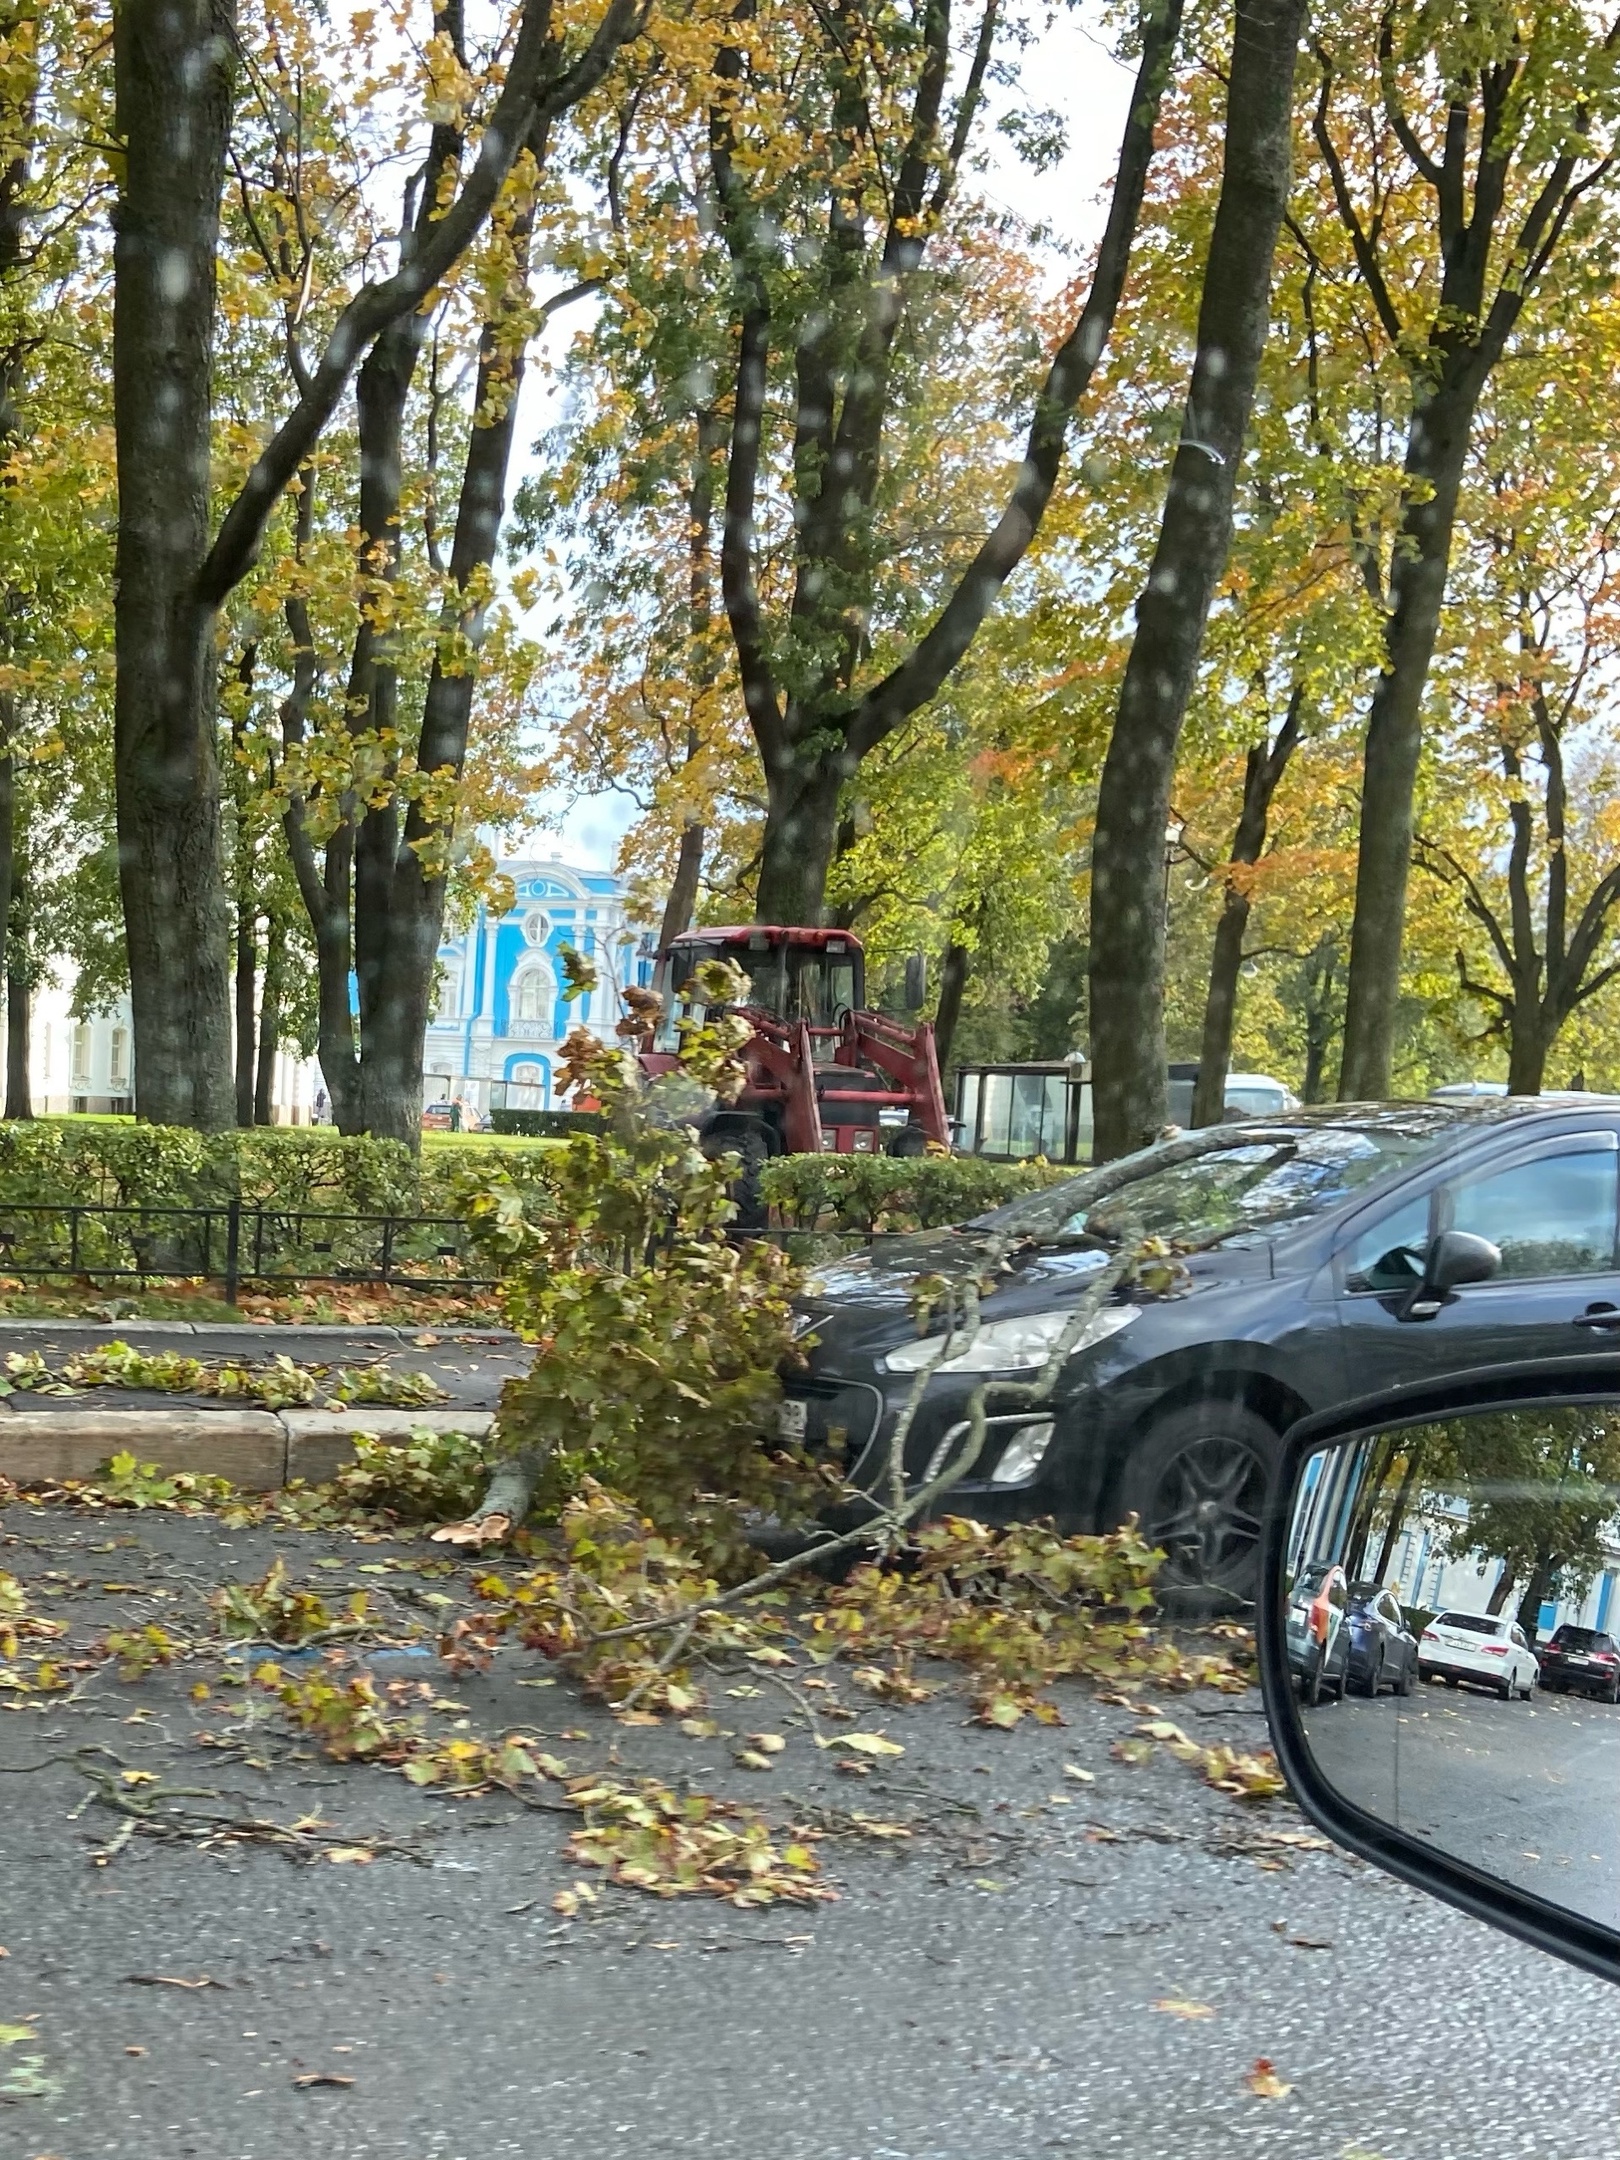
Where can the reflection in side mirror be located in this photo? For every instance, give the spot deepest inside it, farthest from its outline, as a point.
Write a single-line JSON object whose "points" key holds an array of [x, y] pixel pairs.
{"points": [[1449, 1609], [1454, 1257]]}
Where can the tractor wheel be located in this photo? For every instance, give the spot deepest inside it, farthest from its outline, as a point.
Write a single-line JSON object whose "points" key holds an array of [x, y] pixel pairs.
{"points": [[753, 1152]]}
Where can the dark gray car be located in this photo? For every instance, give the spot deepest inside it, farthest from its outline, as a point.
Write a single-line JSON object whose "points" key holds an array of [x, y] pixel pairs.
{"points": [[1345, 1250]]}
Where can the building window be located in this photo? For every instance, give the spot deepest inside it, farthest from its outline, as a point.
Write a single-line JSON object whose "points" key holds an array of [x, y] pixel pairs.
{"points": [[534, 992], [81, 1058], [536, 927], [118, 1062]]}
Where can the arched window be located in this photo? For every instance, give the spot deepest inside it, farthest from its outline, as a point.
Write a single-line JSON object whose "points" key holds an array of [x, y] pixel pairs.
{"points": [[534, 994]]}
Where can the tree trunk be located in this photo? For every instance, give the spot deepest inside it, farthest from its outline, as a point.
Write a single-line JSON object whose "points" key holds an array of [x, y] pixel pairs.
{"points": [[1320, 970], [1133, 804], [1436, 450], [1397, 1513], [1262, 774], [1501, 1590], [1541, 1582], [8, 824], [953, 975], [247, 986], [275, 967], [173, 65], [801, 837], [19, 995], [683, 892], [1528, 1045]]}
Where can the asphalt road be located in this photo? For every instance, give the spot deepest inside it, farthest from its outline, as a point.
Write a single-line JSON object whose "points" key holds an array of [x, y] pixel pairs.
{"points": [[1530, 1791], [468, 1365], [983, 1989]]}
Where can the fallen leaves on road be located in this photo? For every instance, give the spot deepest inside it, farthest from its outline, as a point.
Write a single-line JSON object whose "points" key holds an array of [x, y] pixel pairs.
{"points": [[1081, 1777], [1177, 2006], [1300, 1942], [1264, 2082], [172, 1980], [319, 2077]]}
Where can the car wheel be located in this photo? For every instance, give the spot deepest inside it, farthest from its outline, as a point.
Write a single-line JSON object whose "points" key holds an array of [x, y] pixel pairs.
{"points": [[1613, 1695], [1197, 1486], [1375, 1675], [1507, 1690], [1403, 1683], [1310, 1685], [1451, 1679]]}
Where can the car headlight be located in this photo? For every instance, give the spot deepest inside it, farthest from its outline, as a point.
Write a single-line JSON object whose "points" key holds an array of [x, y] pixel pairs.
{"points": [[1022, 1345]]}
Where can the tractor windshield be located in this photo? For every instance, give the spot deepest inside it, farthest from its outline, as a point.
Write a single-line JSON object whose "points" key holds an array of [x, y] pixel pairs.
{"points": [[813, 983]]}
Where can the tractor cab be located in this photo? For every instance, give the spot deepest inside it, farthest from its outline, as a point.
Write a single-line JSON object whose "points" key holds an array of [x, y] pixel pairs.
{"points": [[816, 977], [823, 1075]]}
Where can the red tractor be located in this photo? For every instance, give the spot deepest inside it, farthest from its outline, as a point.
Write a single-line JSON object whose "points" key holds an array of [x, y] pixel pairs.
{"points": [[825, 1076]]}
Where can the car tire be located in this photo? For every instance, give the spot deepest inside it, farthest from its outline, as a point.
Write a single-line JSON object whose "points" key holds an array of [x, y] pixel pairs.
{"points": [[1613, 1695], [1507, 1690], [1452, 1680], [1375, 1676], [1196, 1482], [1406, 1677], [1310, 1685]]}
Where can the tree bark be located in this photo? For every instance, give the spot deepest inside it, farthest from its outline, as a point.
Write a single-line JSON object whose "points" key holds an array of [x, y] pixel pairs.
{"points": [[19, 992], [247, 987], [1133, 803], [1320, 971], [683, 891], [953, 975], [275, 964], [173, 67], [1262, 774], [1437, 450]]}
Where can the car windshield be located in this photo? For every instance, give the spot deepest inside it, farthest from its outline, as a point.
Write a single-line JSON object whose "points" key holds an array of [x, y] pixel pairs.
{"points": [[1472, 1623], [1220, 1197], [1581, 1638]]}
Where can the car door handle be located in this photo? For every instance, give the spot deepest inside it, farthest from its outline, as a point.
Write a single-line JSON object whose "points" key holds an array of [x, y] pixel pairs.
{"points": [[1598, 1316]]}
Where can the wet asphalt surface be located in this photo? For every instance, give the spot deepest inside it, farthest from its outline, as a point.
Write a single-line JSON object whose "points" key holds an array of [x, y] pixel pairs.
{"points": [[982, 1989], [469, 1365], [1529, 1791]]}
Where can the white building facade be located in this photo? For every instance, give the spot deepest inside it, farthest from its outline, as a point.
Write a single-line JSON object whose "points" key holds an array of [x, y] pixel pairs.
{"points": [[500, 1015]]}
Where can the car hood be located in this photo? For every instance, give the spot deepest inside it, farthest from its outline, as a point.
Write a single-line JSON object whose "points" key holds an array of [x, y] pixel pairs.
{"points": [[873, 1292]]}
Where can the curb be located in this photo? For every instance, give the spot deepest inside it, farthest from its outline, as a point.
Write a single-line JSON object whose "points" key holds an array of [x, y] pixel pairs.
{"points": [[258, 1450], [268, 1330]]}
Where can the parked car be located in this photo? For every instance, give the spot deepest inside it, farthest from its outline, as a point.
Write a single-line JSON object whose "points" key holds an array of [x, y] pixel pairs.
{"points": [[1486, 1649], [1345, 1250], [1581, 1657], [1383, 1649], [1318, 1632]]}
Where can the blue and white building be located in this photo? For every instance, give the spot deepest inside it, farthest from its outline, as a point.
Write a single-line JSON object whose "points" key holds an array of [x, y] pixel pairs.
{"points": [[500, 1016]]}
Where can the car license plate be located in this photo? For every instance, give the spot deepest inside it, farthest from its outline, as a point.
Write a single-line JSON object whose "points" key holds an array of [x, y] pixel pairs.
{"points": [[791, 1417], [1580, 1661]]}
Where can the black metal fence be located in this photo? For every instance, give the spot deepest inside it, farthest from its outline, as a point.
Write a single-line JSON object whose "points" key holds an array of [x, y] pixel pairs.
{"points": [[238, 1244]]}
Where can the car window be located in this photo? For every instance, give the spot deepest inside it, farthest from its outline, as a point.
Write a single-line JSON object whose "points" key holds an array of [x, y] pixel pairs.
{"points": [[1391, 1611], [1237, 1191], [1336, 1595], [1517, 1634], [1554, 1215], [1470, 1623], [1578, 1638], [1389, 1255]]}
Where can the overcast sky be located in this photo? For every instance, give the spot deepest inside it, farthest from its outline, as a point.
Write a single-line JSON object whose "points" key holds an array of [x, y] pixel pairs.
{"points": [[1071, 72]]}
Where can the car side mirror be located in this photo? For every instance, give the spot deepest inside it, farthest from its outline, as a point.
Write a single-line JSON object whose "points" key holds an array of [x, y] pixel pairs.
{"points": [[1454, 1257], [1450, 1754], [916, 985]]}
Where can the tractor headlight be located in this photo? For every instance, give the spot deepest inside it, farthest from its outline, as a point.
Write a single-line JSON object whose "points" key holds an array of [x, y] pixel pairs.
{"points": [[1022, 1345]]}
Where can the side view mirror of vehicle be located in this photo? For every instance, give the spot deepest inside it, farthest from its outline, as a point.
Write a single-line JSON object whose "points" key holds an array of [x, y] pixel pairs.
{"points": [[1444, 1696], [1454, 1257]]}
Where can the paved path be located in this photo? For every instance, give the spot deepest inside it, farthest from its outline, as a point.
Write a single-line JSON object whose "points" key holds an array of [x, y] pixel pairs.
{"points": [[982, 1990]]}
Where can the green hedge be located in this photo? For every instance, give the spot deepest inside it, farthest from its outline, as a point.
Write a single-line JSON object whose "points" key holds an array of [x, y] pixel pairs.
{"points": [[47, 1163], [546, 1124], [888, 1192]]}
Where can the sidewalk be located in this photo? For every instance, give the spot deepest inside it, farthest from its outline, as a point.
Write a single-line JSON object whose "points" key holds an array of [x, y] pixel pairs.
{"points": [[51, 1437]]}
